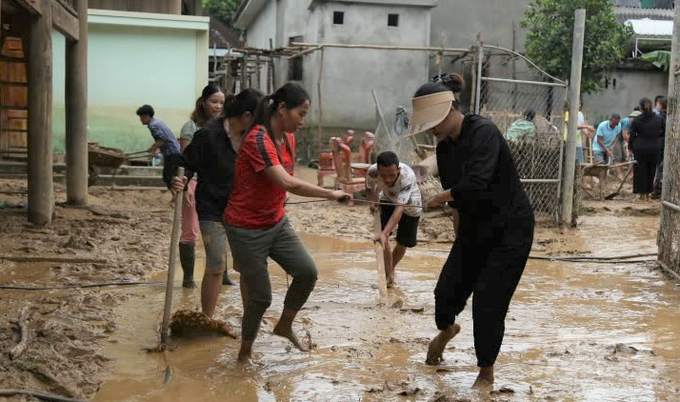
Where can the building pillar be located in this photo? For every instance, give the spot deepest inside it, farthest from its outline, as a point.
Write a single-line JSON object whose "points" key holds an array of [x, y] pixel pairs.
{"points": [[176, 7], [40, 159], [76, 113]]}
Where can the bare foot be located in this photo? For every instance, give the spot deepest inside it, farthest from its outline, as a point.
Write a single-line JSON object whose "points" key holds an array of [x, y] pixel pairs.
{"points": [[290, 335], [484, 381], [436, 349], [390, 284], [246, 351]]}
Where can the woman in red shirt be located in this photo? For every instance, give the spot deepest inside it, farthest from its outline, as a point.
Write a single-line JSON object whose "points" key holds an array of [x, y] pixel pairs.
{"points": [[257, 227]]}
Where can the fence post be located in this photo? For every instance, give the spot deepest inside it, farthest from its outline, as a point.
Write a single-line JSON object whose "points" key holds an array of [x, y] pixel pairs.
{"points": [[480, 62], [574, 97]]}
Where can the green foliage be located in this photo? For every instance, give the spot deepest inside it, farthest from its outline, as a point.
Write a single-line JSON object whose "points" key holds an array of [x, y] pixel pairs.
{"points": [[550, 25], [660, 58], [224, 10]]}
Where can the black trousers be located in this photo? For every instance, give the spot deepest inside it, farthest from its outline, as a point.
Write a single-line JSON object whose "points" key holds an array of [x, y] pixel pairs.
{"points": [[658, 180], [170, 165], [644, 170], [491, 273]]}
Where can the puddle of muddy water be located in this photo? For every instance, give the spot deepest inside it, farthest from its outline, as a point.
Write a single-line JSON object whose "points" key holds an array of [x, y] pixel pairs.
{"points": [[561, 337]]}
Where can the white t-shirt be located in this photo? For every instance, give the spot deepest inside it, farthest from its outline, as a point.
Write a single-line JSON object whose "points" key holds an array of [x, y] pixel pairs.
{"points": [[404, 190]]}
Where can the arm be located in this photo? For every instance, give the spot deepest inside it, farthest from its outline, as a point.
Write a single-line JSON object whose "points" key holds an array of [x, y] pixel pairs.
{"points": [[156, 145], [278, 175]]}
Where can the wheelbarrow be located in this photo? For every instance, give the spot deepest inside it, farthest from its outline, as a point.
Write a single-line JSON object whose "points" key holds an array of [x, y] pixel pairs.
{"points": [[105, 157]]}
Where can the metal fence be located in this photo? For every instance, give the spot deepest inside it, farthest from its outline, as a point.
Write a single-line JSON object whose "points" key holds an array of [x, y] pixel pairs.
{"points": [[507, 86]]}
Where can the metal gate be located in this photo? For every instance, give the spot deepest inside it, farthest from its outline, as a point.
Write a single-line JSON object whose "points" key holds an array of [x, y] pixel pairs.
{"points": [[506, 86]]}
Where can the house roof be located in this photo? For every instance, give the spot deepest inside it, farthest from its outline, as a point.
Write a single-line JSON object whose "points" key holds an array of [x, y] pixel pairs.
{"points": [[632, 13], [247, 12], [222, 36], [647, 27]]}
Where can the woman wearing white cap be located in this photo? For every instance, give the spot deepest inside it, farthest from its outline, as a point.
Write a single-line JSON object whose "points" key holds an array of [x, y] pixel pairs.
{"points": [[495, 226]]}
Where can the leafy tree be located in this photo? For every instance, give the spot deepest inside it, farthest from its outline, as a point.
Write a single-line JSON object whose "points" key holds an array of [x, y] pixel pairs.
{"points": [[224, 10], [550, 26]]}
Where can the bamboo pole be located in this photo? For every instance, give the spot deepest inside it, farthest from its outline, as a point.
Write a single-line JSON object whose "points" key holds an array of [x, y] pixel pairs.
{"points": [[318, 88], [380, 47], [174, 241]]}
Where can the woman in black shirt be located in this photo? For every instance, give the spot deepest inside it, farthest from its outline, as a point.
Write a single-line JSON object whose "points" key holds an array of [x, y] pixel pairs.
{"points": [[646, 134], [495, 225]]}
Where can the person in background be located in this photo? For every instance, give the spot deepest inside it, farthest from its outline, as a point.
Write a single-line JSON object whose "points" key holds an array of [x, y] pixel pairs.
{"points": [[395, 183], [658, 180], [212, 155], [646, 134], [164, 140], [523, 130], [604, 144], [583, 129], [626, 122], [495, 227], [208, 106], [657, 104], [256, 222]]}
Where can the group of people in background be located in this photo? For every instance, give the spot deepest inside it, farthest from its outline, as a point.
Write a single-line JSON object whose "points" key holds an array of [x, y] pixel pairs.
{"points": [[638, 137]]}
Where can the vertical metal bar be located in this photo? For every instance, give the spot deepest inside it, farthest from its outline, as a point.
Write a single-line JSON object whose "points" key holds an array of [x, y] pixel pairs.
{"points": [[480, 62], [574, 96], [561, 161]]}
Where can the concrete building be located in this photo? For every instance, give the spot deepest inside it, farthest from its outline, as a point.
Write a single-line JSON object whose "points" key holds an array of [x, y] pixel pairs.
{"points": [[340, 80]]}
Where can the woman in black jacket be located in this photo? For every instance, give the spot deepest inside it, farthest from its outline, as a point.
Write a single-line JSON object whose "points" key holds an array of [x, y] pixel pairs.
{"points": [[212, 155], [495, 221], [646, 136]]}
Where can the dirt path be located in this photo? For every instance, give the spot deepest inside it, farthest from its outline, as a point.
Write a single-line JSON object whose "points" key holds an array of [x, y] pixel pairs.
{"points": [[570, 330]]}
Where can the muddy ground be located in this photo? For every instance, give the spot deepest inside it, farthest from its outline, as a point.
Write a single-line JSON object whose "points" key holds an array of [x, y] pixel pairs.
{"points": [[575, 331]]}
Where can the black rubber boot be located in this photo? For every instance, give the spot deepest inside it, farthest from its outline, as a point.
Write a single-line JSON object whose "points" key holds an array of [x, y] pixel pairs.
{"points": [[187, 258], [226, 280]]}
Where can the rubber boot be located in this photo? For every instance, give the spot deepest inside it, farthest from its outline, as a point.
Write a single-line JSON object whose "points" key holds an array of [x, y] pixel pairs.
{"points": [[187, 257], [226, 280]]}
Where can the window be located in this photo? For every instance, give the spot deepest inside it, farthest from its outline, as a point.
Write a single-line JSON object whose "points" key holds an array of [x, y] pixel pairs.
{"points": [[338, 17], [295, 64], [392, 20]]}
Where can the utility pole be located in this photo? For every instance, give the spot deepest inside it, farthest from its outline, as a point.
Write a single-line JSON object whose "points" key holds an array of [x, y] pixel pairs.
{"points": [[574, 100]]}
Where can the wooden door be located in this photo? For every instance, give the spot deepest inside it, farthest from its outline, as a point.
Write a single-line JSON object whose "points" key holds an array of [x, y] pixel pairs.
{"points": [[13, 99]]}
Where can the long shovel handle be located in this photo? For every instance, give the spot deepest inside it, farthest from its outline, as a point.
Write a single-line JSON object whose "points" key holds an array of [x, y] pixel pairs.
{"points": [[174, 240], [380, 258]]}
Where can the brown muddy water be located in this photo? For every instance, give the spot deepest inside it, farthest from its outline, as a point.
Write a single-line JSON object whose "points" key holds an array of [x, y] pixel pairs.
{"points": [[575, 332]]}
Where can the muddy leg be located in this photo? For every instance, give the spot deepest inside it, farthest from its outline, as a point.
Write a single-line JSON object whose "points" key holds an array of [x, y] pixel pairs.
{"points": [[436, 348], [284, 328], [210, 291], [397, 255]]}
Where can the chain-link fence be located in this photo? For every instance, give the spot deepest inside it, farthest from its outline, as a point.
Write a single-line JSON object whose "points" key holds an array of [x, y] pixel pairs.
{"points": [[530, 114]]}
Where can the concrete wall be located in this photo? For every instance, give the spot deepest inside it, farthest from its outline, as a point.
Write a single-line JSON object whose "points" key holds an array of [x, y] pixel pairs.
{"points": [[622, 97], [133, 59]]}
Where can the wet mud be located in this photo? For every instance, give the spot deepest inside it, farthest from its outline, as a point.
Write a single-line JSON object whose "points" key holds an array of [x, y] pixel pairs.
{"points": [[575, 331]]}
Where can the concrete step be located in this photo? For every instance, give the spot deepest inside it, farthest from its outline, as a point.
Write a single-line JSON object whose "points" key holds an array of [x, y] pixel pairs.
{"points": [[148, 176]]}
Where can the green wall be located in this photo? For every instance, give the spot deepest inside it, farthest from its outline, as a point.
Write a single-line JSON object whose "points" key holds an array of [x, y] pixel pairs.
{"points": [[130, 65]]}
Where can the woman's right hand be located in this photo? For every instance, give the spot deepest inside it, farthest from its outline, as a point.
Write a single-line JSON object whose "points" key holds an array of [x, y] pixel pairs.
{"points": [[178, 184], [338, 195]]}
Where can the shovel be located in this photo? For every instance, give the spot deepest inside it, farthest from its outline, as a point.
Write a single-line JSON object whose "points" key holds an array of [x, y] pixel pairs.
{"points": [[618, 190]]}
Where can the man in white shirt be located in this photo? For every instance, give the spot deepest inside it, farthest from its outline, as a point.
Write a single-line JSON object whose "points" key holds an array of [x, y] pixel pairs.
{"points": [[395, 184]]}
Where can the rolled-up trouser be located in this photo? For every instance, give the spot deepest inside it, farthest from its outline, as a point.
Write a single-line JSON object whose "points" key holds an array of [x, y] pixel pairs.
{"points": [[190, 230], [492, 273], [216, 247], [250, 248]]}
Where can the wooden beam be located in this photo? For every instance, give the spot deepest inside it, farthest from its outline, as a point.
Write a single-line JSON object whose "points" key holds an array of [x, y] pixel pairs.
{"points": [[76, 113], [65, 22], [40, 159], [34, 7]]}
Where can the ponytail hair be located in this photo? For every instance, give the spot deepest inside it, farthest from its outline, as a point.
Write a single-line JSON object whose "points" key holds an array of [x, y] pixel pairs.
{"points": [[646, 106], [453, 82], [199, 115], [241, 103], [291, 95]]}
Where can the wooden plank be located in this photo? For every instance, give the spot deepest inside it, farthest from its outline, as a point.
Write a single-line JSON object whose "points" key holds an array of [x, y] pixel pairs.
{"points": [[65, 22]]}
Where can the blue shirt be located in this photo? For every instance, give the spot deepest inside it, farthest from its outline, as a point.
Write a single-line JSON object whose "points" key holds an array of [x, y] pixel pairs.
{"points": [[161, 132], [608, 135]]}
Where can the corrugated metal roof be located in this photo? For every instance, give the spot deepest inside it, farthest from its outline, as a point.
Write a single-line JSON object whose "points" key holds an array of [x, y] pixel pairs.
{"points": [[634, 13], [650, 27]]}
